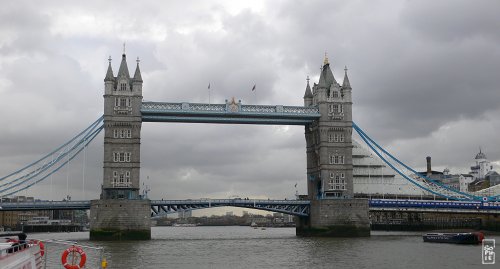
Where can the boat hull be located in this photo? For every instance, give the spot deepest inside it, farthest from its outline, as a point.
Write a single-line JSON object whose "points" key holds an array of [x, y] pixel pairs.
{"points": [[454, 238]]}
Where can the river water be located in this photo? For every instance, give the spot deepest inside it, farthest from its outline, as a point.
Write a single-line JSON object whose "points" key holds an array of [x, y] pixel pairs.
{"points": [[244, 247]]}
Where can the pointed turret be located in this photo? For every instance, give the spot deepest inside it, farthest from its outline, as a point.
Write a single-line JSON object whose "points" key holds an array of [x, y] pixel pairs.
{"points": [[326, 77], [308, 90], [308, 96], [137, 80], [109, 73], [123, 71], [346, 84], [137, 75]]}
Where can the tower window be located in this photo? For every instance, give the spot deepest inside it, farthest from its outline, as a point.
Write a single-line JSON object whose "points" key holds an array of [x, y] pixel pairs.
{"points": [[122, 133], [330, 137], [336, 159], [122, 102], [335, 94], [120, 157], [121, 179], [123, 86], [336, 108]]}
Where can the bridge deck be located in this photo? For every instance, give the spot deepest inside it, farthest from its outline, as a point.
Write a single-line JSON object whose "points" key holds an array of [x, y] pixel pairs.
{"points": [[292, 207], [233, 113]]}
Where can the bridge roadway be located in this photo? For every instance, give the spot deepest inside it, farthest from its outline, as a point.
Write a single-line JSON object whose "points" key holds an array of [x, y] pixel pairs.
{"points": [[292, 207]]}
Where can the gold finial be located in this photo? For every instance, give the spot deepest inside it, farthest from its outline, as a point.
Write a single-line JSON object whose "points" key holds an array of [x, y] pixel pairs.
{"points": [[109, 59], [345, 69], [307, 79], [123, 47], [325, 62], [137, 60]]}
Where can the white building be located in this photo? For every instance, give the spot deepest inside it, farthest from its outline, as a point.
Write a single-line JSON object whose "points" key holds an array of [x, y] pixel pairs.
{"points": [[373, 177], [465, 180], [482, 167]]}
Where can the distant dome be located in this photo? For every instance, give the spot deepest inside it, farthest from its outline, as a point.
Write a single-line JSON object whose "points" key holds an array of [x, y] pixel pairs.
{"points": [[480, 155]]}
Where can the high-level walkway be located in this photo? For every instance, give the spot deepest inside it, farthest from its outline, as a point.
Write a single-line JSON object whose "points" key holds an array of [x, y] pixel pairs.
{"points": [[231, 112]]}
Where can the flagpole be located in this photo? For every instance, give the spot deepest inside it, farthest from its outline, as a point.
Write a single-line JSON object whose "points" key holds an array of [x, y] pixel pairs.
{"points": [[254, 89], [209, 93]]}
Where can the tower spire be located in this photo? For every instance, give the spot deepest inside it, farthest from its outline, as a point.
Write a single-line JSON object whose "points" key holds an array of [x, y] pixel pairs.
{"points": [[346, 84], [326, 78], [308, 93], [109, 73], [325, 61], [137, 75], [123, 71]]}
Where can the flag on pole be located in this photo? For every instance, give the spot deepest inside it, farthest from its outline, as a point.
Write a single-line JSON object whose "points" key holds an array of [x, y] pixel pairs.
{"points": [[295, 185], [253, 89], [209, 85]]}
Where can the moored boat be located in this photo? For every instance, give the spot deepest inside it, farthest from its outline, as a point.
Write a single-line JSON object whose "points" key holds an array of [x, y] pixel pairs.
{"points": [[454, 238], [20, 253]]}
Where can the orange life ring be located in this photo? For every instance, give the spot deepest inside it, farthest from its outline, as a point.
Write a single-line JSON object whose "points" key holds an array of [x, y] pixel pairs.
{"points": [[73, 249], [39, 243]]}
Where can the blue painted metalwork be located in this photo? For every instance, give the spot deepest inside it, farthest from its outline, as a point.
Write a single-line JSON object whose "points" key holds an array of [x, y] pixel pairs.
{"points": [[44, 205], [231, 112], [47, 165], [460, 195], [435, 206], [292, 207]]}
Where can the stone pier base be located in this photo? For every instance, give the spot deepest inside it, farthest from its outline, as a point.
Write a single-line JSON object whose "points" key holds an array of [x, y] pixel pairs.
{"points": [[335, 218], [120, 220]]}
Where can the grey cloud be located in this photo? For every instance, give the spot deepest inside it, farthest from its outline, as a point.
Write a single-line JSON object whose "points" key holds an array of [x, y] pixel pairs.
{"points": [[415, 67]]}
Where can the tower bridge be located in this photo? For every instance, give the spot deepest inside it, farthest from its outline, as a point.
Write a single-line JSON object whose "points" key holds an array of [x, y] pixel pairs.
{"points": [[326, 115], [331, 208]]}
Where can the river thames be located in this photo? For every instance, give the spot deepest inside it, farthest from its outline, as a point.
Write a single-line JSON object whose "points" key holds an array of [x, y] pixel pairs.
{"points": [[244, 247]]}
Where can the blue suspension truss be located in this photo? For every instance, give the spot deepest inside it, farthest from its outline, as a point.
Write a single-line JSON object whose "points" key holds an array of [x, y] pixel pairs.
{"points": [[44, 167], [428, 184]]}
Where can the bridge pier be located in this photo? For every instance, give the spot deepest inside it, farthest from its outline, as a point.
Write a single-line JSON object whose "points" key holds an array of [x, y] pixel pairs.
{"points": [[120, 220], [335, 218]]}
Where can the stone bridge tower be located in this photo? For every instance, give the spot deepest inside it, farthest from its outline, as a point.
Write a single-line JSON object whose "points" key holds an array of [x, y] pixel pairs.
{"points": [[334, 211], [121, 213]]}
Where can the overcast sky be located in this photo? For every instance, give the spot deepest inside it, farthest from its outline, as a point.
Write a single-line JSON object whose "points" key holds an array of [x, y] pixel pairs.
{"points": [[425, 78]]}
